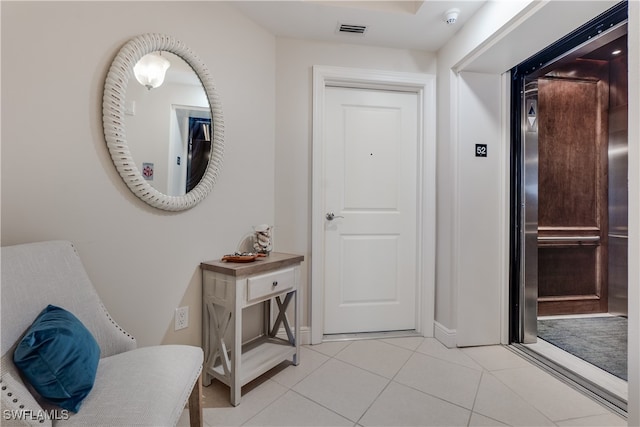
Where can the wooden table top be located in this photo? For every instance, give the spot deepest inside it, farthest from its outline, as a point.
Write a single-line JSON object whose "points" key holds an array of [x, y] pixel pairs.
{"points": [[273, 261]]}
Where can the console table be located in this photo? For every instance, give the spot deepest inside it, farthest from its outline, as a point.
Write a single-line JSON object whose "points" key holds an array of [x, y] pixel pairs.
{"points": [[227, 288]]}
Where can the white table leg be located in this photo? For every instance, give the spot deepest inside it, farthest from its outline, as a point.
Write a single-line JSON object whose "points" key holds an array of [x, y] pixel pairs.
{"points": [[236, 354]]}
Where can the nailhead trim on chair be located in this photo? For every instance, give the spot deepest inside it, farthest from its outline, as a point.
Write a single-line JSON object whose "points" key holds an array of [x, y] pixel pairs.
{"points": [[4, 387], [104, 309], [15, 400], [115, 324]]}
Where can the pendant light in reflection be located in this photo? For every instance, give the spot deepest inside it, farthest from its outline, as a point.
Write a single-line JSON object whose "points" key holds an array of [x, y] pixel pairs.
{"points": [[150, 70]]}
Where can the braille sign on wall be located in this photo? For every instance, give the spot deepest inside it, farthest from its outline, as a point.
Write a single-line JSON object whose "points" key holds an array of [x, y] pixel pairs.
{"points": [[481, 150]]}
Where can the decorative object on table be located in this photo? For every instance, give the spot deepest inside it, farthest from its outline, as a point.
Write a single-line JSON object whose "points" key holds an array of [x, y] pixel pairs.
{"points": [[263, 243], [242, 257]]}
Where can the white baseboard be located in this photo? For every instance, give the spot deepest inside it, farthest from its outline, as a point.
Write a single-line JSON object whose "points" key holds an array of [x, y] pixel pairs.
{"points": [[305, 335], [446, 336]]}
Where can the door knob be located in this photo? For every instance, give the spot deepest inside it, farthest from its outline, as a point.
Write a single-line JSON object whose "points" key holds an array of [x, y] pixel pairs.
{"points": [[331, 216]]}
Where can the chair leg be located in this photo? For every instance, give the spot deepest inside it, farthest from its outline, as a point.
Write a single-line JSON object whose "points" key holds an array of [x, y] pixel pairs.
{"points": [[195, 404]]}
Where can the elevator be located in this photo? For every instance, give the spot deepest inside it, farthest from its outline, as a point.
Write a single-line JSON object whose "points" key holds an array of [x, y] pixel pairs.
{"points": [[569, 211]]}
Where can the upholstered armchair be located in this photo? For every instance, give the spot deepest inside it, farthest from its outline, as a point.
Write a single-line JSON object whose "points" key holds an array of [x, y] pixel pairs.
{"points": [[147, 386]]}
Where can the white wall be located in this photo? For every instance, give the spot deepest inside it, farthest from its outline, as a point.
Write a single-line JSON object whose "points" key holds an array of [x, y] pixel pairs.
{"points": [[295, 59], [58, 181], [490, 19], [480, 222]]}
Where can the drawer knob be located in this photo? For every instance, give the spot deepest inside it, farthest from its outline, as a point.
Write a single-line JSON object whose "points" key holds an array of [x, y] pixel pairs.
{"points": [[275, 283]]}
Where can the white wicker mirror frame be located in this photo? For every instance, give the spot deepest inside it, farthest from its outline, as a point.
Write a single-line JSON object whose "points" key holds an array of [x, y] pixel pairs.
{"points": [[113, 120]]}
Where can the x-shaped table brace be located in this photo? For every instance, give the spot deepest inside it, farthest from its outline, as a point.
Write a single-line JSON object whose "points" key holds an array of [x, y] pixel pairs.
{"points": [[220, 324], [218, 347], [282, 318]]}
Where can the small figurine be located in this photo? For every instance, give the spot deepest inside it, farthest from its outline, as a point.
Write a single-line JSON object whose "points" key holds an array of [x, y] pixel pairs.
{"points": [[263, 243]]}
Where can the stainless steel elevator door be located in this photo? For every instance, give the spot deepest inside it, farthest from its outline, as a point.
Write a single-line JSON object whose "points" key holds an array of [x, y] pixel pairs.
{"points": [[529, 257]]}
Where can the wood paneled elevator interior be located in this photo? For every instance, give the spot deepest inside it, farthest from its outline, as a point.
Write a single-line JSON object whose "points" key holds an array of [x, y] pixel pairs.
{"points": [[582, 128]]}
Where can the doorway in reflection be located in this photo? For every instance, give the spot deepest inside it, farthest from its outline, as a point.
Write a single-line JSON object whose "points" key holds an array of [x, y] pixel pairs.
{"points": [[199, 149]]}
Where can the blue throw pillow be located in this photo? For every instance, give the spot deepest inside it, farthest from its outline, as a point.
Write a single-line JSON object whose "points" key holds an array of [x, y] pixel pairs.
{"points": [[59, 357]]}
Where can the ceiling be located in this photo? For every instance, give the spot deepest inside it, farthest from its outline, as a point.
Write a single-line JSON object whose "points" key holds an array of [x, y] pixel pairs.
{"points": [[418, 25]]}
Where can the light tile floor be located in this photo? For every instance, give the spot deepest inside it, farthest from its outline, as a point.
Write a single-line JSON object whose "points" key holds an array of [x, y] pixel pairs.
{"points": [[404, 382]]}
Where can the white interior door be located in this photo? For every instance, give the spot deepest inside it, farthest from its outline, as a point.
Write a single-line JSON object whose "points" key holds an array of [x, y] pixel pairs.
{"points": [[370, 187]]}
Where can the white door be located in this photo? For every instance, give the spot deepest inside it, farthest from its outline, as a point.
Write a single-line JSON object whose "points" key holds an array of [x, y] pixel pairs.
{"points": [[370, 186]]}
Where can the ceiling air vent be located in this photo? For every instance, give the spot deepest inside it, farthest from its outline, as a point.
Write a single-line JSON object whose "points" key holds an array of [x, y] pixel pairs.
{"points": [[352, 29]]}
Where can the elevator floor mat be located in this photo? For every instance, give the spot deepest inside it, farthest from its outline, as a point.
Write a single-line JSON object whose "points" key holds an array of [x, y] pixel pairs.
{"points": [[601, 341]]}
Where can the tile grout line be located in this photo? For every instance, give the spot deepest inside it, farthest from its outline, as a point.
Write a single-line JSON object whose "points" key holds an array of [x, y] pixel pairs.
{"points": [[484, 374], [475, 397], [267, 406], [373, 402], [357, 422], [517, 392], [433, 395], [487, 372], [390, 380]]}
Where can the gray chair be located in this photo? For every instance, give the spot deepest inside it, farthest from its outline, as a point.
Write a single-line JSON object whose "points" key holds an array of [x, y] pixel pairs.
{"points": [[147, 386]]}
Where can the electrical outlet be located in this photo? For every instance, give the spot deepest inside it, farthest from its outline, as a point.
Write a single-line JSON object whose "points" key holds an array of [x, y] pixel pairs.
{"points": [[181, 318]]}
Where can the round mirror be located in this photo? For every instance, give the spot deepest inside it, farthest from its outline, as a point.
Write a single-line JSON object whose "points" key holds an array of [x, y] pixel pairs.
{"points": [[165, 133]]}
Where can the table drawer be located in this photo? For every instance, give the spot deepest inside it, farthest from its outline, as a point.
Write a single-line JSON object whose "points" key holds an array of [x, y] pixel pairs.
{"points": [[266, 285]]}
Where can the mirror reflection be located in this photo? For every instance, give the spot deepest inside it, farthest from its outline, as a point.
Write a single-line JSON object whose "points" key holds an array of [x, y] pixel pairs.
{"points": [[169, 128]]}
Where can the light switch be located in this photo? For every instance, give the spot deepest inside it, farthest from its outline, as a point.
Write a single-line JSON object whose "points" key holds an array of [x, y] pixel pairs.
{"points": [[130, 108]]}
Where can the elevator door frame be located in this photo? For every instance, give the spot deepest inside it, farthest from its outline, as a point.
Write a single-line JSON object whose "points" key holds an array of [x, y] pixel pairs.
{"points": [[523, 295]]}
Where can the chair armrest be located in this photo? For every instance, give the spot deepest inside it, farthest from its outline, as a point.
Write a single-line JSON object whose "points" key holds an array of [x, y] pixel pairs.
{"points": [[112, 338]]}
